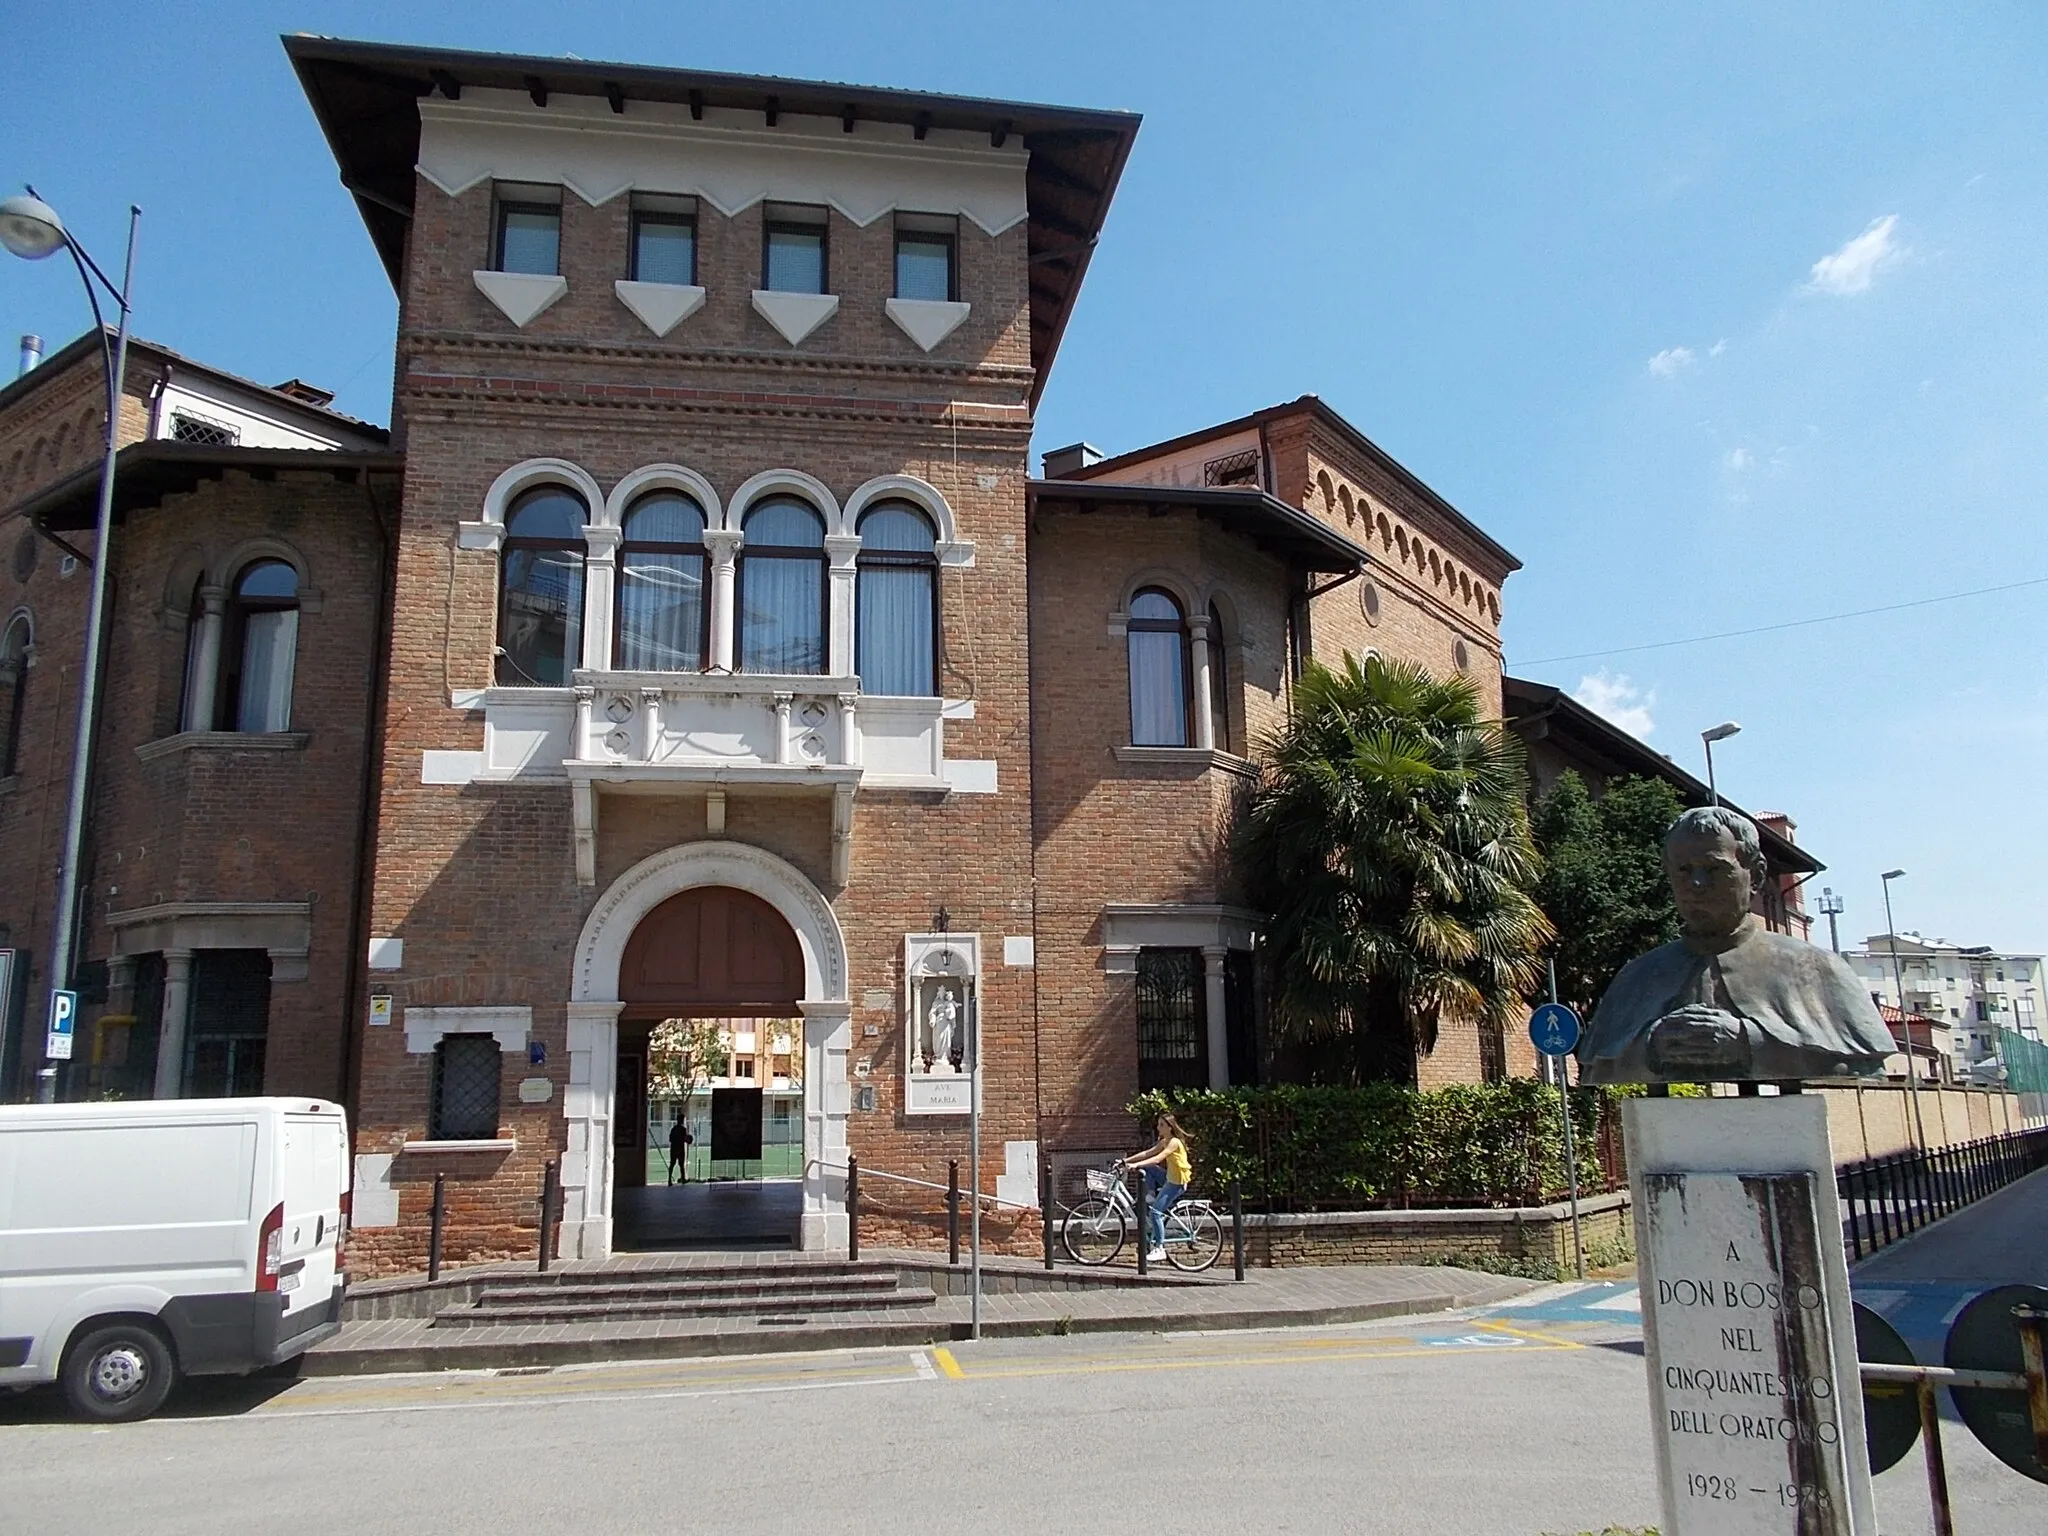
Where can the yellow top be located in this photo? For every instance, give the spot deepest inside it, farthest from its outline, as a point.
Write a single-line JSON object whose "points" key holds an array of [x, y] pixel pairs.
{"points": [[1178, 1169]]}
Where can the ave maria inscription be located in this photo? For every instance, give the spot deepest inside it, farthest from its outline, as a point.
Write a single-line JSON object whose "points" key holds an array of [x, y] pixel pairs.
{"points": [[1742, 1372]]}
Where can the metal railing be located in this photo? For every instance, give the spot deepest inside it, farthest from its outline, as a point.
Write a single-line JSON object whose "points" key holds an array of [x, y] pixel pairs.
{"points": [[1887, 1198]]}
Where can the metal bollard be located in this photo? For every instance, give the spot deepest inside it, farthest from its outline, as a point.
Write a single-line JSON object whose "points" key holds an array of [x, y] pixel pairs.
{"points": [[1237, 1227], [953, 1211], [547, 1211], [1045, 1205], [852, 1206], [1141, 1205], [436, 1222]]}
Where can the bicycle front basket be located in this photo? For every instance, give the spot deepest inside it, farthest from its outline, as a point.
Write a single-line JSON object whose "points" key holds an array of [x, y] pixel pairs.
{"points": [[1100, 1181]]}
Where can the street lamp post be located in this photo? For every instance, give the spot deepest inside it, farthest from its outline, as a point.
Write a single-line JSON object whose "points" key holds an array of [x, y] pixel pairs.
{"points": [[1891, 933], [1711, 735], [1831, 904], [30, 228]]}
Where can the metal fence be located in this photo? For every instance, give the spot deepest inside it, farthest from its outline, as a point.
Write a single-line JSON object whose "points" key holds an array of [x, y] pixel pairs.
{"points": [[1887, 1198]]}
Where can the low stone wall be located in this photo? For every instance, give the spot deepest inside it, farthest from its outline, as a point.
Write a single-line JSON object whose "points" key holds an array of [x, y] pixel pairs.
{"points": [[1539, 1237], [1868, 1120]]}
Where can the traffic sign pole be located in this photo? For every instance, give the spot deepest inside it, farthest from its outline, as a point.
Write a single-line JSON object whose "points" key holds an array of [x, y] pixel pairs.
{"points": [[1554, 1029]]}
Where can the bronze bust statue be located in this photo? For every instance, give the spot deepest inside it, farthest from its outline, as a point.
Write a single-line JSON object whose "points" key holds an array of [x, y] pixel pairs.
{"points": [[1728, 1000]]}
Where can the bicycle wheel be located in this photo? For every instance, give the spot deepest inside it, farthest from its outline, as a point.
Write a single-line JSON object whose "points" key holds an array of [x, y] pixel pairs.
{"points": [[1194, 1238], [1093, 1232]]}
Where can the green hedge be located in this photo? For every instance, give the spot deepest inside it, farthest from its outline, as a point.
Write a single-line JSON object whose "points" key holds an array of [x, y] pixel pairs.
{"points": [[1304, 1148]]}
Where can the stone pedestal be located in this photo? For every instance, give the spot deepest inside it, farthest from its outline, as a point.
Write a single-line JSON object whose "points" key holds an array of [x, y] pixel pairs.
{"points": [[1747, 1328]]}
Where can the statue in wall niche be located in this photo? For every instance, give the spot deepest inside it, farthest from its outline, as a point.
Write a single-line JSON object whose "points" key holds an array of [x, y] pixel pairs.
{"points": [[1729, 1000], [944, 1023]]}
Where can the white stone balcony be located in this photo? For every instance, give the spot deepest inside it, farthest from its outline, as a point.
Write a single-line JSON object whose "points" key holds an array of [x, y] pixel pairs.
{"points": [[670, 732]]}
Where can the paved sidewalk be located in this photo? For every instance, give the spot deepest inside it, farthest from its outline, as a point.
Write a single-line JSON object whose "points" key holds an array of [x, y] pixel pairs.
{"points": [[1921, 1282], [1267, 1298]]}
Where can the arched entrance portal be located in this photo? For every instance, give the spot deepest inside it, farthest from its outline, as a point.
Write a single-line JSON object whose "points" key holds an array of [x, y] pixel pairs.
{"points": [[712, 929], [710, 1036]]}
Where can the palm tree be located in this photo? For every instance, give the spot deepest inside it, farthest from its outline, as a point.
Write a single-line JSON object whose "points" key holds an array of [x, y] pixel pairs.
{"points": [[1388, 838]]}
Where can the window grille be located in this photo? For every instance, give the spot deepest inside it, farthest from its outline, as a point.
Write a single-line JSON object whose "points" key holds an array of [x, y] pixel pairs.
{"points": [[465, 1106], [230, 1020], [1493, 1054], [197, 429], [1172, 1027], [1235, 469]]}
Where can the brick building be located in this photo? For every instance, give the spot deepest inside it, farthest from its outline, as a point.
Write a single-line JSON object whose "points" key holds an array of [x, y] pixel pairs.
{"points": [[732, 665], [222, 865]]}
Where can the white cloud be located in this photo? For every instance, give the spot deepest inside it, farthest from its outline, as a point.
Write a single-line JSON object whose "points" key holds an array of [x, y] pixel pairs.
{"points": [[1672, 360], [1718, 347], [1739, 459], [1853, 268], [1615, 698]]}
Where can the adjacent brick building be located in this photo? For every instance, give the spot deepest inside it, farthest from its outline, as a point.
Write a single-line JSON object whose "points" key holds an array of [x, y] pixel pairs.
{"points": [[718, 655]]}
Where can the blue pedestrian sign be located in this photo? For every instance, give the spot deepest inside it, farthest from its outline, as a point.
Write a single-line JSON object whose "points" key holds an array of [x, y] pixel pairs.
{"points": [[63, 1013], [1554, 1029]]}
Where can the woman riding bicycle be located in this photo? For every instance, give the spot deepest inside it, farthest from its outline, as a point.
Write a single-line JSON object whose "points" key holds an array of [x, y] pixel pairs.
{"points": [[1168, 1172]]}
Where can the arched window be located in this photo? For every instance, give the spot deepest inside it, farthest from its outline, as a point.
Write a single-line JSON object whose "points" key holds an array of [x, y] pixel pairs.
{"points": [[782, 588], [896, 603], [1219, 683], [1158, 635], [661, 626], [540, 589], [262, 642], [13, 692]]}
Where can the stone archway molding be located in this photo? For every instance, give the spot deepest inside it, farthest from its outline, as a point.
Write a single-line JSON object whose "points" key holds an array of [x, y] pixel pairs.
{"points": [[593, 1031]]}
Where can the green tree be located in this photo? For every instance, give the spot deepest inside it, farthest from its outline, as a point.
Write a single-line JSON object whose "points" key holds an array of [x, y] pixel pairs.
{"points": [[1388, 838], [1603, 885], [683, 1055]]}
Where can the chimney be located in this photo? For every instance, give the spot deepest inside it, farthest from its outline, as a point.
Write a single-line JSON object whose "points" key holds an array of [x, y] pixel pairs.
{"points": [[1062, 463], [31, 354]]}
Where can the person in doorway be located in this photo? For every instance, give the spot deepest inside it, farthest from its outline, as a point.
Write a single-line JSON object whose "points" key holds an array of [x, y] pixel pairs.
{"points": [[1168, 1172], [679, 1140]]}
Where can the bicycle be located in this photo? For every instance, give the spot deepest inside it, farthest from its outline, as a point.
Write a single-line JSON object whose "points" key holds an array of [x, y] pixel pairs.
{"points": [[1095, 1230]]}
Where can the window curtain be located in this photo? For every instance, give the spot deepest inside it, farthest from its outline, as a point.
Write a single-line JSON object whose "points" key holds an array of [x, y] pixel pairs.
{"points": [[269, 644], [895, 607], [1159, 716], [661, 612], [782, 626]]}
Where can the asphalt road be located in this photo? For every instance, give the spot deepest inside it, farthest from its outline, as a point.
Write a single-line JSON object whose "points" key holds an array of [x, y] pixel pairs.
{"points": [[1518, 1421]]}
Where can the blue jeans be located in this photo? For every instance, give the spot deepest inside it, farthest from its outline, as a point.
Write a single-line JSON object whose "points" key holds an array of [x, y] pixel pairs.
{"points": [[1159, 1199]]}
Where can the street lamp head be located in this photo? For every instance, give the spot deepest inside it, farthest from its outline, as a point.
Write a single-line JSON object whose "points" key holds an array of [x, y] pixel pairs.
{"points": [[30, 228], [1891, 874], [1720, 732]]}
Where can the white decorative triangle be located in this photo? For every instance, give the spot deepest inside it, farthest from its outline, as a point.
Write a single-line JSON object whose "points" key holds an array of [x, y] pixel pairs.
{"points": [[660, 306], [521, 295], [795, 315], [926, 321]]}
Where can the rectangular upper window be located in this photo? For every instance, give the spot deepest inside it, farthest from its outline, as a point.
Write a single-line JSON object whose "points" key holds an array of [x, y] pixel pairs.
{"points": [[528, 232], [465, 1097], [793, 249], [664, 240], [926, 249]]}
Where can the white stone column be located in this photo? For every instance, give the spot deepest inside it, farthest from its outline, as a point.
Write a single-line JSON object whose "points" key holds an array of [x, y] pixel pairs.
{"points": [[1198, 642], [1215, 1013], [724, 545], [587, 1106], [828, 1100], [177, 1014], [783, 751], [840, 549], [201, 694], [600, 601]]}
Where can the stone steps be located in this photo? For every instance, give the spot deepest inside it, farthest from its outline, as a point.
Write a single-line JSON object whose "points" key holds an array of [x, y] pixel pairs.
{"points": [[626, 1296]]}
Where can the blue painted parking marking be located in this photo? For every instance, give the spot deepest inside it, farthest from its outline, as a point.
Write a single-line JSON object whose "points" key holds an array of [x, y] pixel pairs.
{"points": [[1613, 1302]]}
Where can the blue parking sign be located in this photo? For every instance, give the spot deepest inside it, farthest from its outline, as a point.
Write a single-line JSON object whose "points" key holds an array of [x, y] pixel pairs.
{"points": [[1554, 1029], [63, 1014]]}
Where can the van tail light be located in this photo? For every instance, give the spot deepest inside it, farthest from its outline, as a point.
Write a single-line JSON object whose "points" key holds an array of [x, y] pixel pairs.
{"points": [[270, 1250], [341, 1235]]}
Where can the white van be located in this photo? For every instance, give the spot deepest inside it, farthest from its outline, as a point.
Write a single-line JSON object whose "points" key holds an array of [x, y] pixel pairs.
{"points": [[144, 1241]]}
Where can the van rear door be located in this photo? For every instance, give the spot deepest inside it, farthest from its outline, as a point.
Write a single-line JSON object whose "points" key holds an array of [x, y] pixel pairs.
{"points": [[315, 1181]]}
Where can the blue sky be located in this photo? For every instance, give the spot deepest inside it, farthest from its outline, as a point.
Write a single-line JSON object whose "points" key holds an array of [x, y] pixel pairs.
{"points": [[1718, 316]]}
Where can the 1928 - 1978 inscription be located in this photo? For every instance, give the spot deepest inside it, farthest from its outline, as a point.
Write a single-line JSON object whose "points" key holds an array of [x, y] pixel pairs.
{"points": [[1743, 1377]]}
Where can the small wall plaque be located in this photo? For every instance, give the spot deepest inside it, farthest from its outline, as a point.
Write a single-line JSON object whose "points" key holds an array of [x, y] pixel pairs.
{"points": [[380, 1010], [536, 1090]]}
